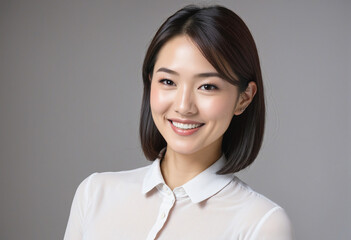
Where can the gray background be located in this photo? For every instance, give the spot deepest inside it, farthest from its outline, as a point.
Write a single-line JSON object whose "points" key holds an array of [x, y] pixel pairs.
{"points": [[70, 93]]}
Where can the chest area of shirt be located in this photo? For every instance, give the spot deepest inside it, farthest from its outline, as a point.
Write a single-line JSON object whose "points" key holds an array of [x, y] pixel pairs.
{"points": [[159, 216]]}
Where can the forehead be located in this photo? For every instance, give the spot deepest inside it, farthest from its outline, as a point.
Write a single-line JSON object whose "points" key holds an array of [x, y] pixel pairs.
{"points": [[181, 54]]}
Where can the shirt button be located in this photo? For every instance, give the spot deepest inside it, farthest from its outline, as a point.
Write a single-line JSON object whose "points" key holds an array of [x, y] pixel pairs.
{"points": [[163, 215]]}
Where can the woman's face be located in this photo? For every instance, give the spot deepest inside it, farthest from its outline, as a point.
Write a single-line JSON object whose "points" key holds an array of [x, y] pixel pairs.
{"points": [[191, 105]]}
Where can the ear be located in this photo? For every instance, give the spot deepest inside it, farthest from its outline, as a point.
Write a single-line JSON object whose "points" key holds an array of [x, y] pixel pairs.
{"points": [[245, 98]]}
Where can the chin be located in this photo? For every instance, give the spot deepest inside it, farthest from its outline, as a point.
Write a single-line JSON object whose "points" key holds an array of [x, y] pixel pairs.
{"points": [[184, 149]]}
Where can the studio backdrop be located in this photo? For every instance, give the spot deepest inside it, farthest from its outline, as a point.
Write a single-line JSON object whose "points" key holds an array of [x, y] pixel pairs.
{"points": [[70, 97]]}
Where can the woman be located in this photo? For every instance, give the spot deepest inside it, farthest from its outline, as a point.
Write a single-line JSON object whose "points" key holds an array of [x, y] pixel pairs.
{"points": [[202, 119]]}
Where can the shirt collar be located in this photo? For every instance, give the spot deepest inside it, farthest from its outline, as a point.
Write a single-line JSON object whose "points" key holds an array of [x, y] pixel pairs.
{"points": [[153, 177], [201, 187]]}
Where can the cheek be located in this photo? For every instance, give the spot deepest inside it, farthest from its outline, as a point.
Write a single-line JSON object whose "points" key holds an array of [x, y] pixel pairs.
{"points": [[220, 109], [159, 100]]}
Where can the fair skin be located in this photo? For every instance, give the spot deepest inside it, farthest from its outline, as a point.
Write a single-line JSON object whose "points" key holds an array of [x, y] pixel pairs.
{"points": [[192, 107]]}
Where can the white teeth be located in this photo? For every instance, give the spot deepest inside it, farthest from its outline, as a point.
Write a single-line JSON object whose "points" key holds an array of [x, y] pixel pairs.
{"points": [[185, 126]]}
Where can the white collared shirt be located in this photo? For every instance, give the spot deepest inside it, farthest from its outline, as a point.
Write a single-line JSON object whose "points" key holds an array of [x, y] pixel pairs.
{"points": [[137, 204]]}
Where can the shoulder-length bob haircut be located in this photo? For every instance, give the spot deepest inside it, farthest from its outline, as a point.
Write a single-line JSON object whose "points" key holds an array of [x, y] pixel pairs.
{"points": [[226, 42]]}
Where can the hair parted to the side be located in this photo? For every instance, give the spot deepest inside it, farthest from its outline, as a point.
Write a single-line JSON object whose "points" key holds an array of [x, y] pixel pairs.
{"points": [[226, 42]]}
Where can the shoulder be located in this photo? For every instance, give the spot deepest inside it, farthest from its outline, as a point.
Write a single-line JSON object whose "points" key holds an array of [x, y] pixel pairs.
{"points": [[248, 196], [275, 224], [103, 181], [266, 218]]}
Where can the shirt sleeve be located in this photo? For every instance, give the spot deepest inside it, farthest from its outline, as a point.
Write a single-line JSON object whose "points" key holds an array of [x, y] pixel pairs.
{"points": [[274, 225], [74, 229]]}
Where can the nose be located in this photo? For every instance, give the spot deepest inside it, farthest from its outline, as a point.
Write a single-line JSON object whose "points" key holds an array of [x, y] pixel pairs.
{"points": [[184, 103]]}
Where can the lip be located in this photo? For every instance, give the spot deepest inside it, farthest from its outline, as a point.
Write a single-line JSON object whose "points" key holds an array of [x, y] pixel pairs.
{"points": [[184, 132], [184, 121]]}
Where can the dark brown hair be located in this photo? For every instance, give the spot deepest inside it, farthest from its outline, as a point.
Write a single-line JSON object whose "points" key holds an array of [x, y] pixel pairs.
{"points": [[226, 42]]}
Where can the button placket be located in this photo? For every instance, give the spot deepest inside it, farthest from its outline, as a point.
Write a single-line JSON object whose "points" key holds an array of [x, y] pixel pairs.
{"points": [[165, 207], [167, 203]]}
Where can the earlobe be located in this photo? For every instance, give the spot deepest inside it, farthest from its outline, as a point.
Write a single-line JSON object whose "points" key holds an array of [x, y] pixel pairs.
{"points": [[245, 98]]}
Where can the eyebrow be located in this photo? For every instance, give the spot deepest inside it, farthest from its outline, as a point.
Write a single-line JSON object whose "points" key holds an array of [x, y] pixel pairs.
{"points": [[199, 75]]}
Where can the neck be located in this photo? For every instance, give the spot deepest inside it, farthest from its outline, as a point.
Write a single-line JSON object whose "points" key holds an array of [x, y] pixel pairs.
{"points": [[177, 169]]}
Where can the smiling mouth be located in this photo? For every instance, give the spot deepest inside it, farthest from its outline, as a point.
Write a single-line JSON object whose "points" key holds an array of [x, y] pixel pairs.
{"points": [[186, 126]]}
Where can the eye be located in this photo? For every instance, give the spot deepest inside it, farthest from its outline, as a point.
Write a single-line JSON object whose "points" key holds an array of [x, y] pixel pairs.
{"points": [[167, 82], [208, 87]]}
